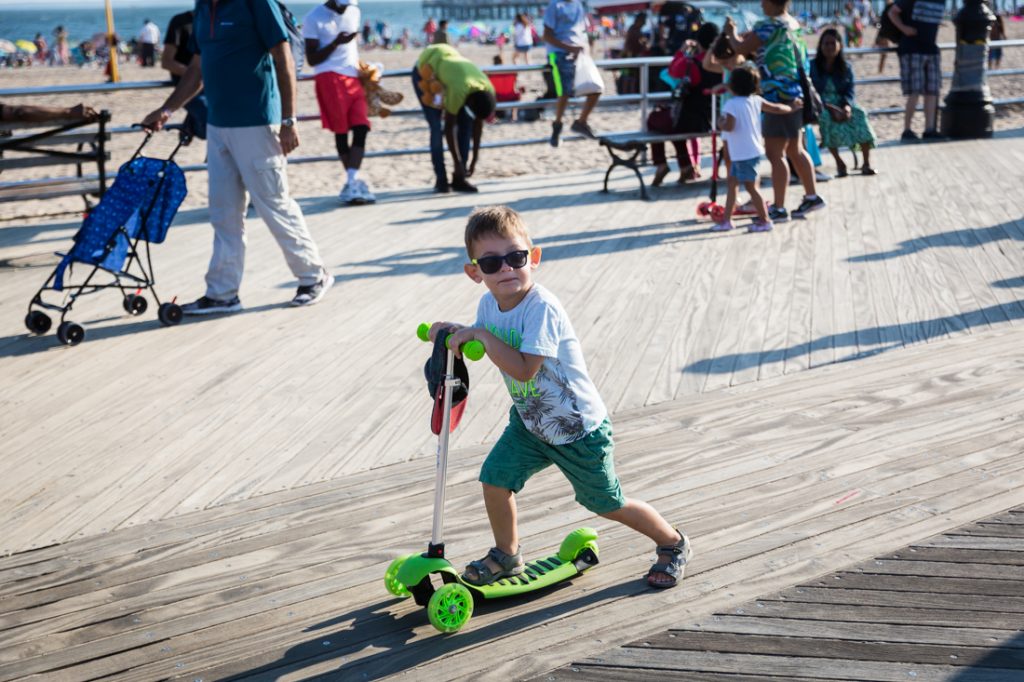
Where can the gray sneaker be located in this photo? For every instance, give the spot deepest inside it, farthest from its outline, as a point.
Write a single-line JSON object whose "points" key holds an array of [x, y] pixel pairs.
{"points": [[211, 306], [312, 293], [364, 193], [583, 129]]}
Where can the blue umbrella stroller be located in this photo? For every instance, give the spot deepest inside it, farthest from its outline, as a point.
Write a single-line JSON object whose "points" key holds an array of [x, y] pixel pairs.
{"points": [[135, 212]]}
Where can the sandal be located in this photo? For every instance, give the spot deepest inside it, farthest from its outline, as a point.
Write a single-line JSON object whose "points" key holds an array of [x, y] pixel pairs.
{"points": [[510, 565], [679, 554], [868, 170]]}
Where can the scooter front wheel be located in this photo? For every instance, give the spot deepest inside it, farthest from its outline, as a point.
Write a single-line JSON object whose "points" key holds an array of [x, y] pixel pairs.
{"points": [[391, 582], [450, 607]]}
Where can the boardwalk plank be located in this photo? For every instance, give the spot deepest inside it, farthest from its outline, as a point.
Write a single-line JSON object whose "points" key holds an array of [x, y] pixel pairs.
{"points": [[819, 647]]}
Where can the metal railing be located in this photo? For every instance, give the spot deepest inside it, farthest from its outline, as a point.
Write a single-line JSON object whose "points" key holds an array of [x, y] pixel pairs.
{"points": [[644, 97]]}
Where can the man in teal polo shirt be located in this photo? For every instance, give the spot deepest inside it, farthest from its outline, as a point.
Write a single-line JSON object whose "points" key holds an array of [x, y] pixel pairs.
{"points": [[243, 60]]}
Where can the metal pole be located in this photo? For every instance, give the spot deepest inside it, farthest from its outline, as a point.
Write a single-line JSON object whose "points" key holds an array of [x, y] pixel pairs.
{"points": [[644, 78], [450, 381]]}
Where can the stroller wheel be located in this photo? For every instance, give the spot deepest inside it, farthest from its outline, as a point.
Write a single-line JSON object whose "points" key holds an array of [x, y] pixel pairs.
{"points": [[169, 314], [38, 322], [135, 304], [70, 334]]}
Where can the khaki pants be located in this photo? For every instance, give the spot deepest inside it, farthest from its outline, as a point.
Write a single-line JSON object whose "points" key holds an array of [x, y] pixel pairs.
{"points": [[250, 159]]}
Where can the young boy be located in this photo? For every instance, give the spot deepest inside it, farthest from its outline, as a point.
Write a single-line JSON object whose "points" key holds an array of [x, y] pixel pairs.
{"points": [[558, 416], [740, 122]]}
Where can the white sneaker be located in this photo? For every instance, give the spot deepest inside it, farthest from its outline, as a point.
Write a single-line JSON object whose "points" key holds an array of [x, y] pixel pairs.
{"points": [[364, 192], [348, 193]]}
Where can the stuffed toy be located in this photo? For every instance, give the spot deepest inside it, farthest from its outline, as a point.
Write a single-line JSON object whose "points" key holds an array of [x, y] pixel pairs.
{"points": [[433, 89], [376, 96]]}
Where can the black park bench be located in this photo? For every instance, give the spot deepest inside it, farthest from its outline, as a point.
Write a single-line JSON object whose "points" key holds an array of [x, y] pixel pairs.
{"points": [[631, 146], [82, 144]]}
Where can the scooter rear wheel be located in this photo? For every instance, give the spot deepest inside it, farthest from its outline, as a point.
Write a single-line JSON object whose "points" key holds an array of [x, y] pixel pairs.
{"points": [[450, 607], [391, 582]]}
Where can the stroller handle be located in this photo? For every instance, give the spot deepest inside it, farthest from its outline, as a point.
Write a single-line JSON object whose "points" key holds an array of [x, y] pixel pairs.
{"points": [[474, 350]]}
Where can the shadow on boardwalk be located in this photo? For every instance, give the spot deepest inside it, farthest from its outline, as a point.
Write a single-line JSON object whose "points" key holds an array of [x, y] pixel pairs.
{"points": [[442, 262], [924, 330], [373, 627], [965, 238]]}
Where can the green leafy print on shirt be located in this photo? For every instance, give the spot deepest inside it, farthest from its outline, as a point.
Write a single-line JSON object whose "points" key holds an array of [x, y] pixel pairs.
{"points": [[546, 403]]}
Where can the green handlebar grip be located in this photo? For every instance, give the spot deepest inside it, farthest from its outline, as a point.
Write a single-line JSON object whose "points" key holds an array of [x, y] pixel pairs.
{"points": [[474, 350]]}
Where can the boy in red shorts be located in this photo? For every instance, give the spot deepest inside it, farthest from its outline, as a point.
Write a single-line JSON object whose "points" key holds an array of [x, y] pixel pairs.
{"points": [[330, 32]]}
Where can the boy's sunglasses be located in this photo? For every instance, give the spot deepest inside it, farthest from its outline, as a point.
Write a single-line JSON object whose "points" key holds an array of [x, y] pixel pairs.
{"points": [[491, 264]]}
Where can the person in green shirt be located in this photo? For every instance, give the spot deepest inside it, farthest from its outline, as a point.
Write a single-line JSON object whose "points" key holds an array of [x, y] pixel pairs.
{"points": [[453, 89]]}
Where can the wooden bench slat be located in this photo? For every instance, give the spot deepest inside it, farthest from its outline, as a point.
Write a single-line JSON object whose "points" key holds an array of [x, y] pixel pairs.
{"points": [[36, 161]]}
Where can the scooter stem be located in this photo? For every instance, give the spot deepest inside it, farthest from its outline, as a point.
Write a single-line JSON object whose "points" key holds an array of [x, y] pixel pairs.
{"points": [[450, 382]]}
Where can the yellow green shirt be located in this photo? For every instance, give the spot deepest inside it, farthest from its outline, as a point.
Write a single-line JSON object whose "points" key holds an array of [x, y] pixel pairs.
{"points": [[459, 76]]}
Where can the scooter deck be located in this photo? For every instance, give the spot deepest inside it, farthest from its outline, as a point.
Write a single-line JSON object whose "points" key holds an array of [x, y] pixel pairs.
{"points": [[537, 575]]}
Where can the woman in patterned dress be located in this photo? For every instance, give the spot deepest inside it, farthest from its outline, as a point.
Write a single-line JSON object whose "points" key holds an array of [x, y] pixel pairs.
{"points": [[843, 123]]}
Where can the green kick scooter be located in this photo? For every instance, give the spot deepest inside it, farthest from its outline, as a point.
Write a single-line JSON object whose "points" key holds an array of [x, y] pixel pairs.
{"points": [[450, 604]]}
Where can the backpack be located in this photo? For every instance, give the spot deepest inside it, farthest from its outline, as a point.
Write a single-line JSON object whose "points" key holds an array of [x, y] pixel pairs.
{"points": [[295, 40]]}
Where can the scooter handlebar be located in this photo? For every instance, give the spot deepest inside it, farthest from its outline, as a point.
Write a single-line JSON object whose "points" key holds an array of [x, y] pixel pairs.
{"points": [[474, 350]]}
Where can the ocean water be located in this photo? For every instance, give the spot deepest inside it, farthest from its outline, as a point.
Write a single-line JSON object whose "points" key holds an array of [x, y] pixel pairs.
{"points": [[84, 19]]}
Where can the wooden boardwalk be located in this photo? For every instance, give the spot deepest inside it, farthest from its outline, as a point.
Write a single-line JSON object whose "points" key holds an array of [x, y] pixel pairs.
{"points": [[141, 423], [221, 498], [948, 608]]}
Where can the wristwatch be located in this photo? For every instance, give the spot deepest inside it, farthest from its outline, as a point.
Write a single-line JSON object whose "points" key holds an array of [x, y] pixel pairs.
{"points": [[288, 122]]}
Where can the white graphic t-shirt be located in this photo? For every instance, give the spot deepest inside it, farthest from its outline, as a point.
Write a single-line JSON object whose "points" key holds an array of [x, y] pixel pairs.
{"points": [[323, 25], [560, 404]]}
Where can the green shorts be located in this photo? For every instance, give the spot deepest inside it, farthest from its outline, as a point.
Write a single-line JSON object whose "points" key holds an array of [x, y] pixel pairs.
{"points": [[587, 463]]}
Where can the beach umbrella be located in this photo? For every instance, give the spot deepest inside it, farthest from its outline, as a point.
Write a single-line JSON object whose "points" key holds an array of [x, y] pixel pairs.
{"points": [[7, 46], [26, 46]]}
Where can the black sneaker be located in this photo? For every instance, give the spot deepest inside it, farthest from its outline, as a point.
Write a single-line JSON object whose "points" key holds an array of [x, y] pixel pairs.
{"points": [[932, 135], [583, 129], [778, 214], [312, 293], [211, 306], [556, 133], [442, 188], [808, 205], [909, 136]]}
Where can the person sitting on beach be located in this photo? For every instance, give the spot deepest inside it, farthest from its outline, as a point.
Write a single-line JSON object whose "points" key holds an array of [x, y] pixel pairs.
{"points": [[246, 63], [844, 123], [565, 32], [330, 30], [740, 122], [447, 82], [558, 416], [34, 113]]}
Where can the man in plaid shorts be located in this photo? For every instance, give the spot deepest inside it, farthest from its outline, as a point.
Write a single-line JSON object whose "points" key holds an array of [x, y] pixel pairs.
{"points": [[920, 63]]}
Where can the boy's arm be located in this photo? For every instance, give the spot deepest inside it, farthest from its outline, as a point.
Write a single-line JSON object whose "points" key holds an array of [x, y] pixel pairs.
{"points": [[519, 366], [726, 122]]}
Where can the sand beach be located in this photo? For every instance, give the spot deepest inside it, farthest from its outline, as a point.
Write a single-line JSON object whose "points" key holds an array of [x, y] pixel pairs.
{"points": [[412, 171]]}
